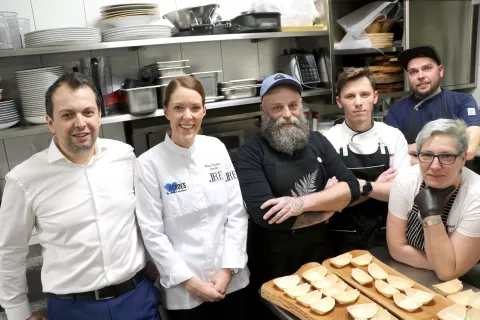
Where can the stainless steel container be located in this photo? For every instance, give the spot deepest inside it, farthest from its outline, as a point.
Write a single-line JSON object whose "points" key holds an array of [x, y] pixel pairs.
{"points": [[237, 83], [171, 64], [209, 80], [141, 100], [173, 71], [240, 92], [166, 80], [185, 18]]}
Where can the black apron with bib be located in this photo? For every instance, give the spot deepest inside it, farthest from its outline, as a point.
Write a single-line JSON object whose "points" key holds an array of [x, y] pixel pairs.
{"points": [[413, 129], [362, 226]]}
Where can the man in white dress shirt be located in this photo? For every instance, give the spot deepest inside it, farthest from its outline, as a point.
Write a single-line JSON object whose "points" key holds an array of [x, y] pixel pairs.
{"points": [[79, 194]]}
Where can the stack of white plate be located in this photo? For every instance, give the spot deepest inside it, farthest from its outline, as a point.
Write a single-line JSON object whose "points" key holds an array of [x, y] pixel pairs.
{"points": [[9, 115], [128, 14], [32, 85], [146, 31], [62, 37]]}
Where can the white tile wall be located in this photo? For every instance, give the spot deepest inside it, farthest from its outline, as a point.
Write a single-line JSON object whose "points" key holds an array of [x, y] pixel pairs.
{"points": [[230, 9], [240, 60], [114, 131], [22, 7], [203, 56], [67, 60], [154, 54], [193, 3], [124, 64], [269, 52], [3, 162], [21, 148], [58, 13]]}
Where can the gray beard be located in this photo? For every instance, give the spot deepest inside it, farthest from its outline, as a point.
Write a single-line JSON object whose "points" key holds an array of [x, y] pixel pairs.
{"points": [[286, 140]]}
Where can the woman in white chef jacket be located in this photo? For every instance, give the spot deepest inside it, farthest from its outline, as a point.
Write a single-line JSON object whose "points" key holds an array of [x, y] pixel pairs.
{"points": [[191, 214]]}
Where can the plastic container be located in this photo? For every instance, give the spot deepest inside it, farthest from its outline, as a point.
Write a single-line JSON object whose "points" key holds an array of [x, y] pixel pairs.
{"points": [[10, 23], [24, 26]]}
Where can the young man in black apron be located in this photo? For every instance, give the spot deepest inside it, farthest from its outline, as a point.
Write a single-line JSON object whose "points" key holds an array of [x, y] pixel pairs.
{"points": [[283, 173], [374, 152], [429, 102]]}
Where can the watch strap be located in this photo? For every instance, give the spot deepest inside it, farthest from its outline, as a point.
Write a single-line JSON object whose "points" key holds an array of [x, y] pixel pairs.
{"points": [[432, 220], [367, 188]]}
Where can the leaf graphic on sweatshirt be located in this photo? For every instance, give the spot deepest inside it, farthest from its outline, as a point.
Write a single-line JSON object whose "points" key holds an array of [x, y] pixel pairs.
{"points": [[306, 185]]}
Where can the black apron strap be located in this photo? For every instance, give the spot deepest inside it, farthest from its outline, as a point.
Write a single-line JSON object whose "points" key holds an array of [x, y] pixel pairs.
{"points": [[413, 129]]}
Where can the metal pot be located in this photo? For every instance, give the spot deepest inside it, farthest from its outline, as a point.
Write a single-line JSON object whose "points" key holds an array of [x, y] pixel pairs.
{"points": [[184, 19]]}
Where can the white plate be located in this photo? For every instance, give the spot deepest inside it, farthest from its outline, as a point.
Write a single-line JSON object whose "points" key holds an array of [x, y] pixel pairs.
{"points": [[8, 124], [62, 38], [63, 30], [130, 20], [137, 27], [62, 43], [36, 120], [48, 36], [135, 38], [39, 70]]}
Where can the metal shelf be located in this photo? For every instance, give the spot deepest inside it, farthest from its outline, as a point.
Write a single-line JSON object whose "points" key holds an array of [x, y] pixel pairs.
{"points": [[159, 41], [28, 129], [399, 94], [344, 52]]}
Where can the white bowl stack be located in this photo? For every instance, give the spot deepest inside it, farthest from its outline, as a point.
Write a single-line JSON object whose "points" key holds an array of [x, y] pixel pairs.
{"points": [[32, 85], [9, 115], [62, 37], [146, 31]]}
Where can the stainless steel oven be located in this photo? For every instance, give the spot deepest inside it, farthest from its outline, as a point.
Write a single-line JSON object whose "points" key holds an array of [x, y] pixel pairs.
{"points": [[232, 130]]}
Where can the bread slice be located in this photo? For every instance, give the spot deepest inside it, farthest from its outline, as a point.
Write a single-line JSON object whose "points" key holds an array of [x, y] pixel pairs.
{"points": [[473, 314], [341, 260], [385, 289], [449, 287], [326, 282], [399, 282], [323, 306], [310, 298], [382, 314], [364, 310], [297, 291], [376, 272], [287, 281], [462, 297], [474, 301], [453, 312], [406, 303], [346, 297], [419, 295], [338, 287], [361, 276], [315, 274], [362, 260]]}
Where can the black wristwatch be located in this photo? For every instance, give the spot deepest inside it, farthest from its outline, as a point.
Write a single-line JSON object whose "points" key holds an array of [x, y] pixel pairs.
{"points": [[367, 188]]}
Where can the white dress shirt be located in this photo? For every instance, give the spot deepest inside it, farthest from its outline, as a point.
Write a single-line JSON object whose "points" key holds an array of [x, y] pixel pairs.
{"points": [[191, 214], [85, 220]]}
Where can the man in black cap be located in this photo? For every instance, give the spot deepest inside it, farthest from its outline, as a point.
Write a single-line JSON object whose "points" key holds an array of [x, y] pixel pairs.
{"points": [[430, 102], [284, 172]]}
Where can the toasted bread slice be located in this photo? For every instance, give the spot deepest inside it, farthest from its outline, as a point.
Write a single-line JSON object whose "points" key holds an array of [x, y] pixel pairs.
{"points": [[361, 276], [315, 274], [376, 272], [449, 287], [406, 303], [385, 289], [453, 312], [362, 260], [399, 282], [364, 310], [341, 260], [287, 281], [325, 305], [419, 295]]}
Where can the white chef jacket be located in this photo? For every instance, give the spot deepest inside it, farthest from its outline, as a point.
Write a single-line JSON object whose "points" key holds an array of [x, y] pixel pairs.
{"points": [[191, 214], [341, 136], [85, 220]]}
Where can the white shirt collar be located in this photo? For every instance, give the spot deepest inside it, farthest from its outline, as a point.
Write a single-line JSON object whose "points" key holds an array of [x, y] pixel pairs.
{"points": [[54, 154], [181, 150]]}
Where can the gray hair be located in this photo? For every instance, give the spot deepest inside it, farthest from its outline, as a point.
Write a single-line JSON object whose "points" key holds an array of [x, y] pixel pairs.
{"points": [[454, 128]]}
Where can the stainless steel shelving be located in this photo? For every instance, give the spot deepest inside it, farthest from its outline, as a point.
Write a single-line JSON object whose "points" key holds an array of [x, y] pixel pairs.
{"points": [[159, 41], [367, 51], [27, 130]]}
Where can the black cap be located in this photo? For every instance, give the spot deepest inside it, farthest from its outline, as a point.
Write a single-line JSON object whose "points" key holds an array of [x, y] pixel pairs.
{"points": [[421, 51]]}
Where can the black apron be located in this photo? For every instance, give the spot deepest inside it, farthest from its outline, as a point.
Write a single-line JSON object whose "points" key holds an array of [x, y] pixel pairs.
{"points": [[413, 129], [362, 226]]}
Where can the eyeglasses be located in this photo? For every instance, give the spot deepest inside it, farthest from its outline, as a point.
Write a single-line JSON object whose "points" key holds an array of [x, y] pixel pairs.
{"points": [[444, 158]]}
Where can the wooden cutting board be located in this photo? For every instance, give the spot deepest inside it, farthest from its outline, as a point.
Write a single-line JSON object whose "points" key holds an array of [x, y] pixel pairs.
{"points": [[426, 312], [276, 296], [381, 78]]}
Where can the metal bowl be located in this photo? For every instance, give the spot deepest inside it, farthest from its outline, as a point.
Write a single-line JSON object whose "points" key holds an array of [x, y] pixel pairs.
{"points": [[185, 18]]}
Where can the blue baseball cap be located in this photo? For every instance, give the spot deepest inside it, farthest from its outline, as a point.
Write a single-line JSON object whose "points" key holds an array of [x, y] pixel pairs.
{"points": [[279, 79]]}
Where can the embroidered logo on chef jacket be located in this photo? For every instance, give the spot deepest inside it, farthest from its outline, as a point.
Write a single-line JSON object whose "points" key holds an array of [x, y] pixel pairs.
{"points": [[471, 111], [219, 176], [175, 187]]}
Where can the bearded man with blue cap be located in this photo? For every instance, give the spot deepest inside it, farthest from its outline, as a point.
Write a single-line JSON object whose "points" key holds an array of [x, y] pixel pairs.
{"points": [[292, 180]]}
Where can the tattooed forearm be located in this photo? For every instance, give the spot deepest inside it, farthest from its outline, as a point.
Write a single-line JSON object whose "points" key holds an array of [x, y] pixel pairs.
{"points": [[296, 204]]}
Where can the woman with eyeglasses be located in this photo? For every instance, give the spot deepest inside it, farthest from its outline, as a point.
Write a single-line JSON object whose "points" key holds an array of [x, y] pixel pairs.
{"points": [[434, 209]]}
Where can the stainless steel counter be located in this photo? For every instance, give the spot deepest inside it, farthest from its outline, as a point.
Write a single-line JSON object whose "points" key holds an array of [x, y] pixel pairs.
{"points": [[471, 280]]}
